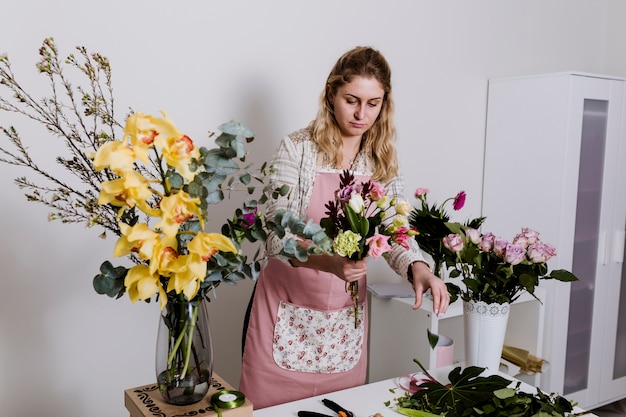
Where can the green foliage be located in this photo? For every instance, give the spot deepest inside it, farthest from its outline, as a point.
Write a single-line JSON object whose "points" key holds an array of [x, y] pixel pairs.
{"points": [[470, 394]]}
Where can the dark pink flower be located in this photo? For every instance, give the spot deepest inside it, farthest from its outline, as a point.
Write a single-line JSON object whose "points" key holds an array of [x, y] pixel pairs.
{"points": [[249, 218], [402, 237], [459, 201]]}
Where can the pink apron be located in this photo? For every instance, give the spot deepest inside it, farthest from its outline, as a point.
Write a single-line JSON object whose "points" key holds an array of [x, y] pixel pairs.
{"points": [[301, 339]]}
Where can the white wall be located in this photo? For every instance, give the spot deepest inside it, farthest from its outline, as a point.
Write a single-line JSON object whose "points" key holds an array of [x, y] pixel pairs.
{"points": [[64, 350]]}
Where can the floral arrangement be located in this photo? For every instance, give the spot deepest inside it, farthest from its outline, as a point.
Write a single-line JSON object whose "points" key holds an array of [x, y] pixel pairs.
{"points": [[359, 223], [495, 270], [151, 186], [430, 222]]}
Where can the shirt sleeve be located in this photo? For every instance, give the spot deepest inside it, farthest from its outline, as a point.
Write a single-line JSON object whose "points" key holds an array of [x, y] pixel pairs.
{"points": [[286, 169]]}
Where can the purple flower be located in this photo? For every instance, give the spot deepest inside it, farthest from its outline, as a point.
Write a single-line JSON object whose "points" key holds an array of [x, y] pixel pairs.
{"points": [[486, 244], [499, 246], [459, 201], [345, 193], [473, 235], [453, 242], [514, 254], [248, 218], [531, 235], [541, 252]]}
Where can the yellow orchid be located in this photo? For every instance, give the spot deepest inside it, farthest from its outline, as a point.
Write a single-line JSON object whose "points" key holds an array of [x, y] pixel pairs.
{"points": [[164, 257], [142, 285], [206, 245], [115, 155], [131, 190], [175, 210], [178, 148], [139, 239], [184, 278], [141, 131]]}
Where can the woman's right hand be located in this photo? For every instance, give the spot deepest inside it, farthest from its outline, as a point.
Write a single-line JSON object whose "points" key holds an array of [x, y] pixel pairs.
{"points": [[347, 269]]}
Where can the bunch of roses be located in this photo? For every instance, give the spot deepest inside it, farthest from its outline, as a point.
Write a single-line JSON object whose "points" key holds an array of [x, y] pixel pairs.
{"points": [[496, 270]]}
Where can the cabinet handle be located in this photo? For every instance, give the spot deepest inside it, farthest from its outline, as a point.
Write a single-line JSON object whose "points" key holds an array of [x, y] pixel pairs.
{"points": [[618, 246]]}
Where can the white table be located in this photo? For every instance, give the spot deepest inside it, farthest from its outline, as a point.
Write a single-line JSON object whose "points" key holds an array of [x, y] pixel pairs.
{"points": [[364, 401]]}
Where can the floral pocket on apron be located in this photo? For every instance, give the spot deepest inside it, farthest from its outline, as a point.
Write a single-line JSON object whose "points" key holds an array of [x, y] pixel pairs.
{"points": [[309, 340]]}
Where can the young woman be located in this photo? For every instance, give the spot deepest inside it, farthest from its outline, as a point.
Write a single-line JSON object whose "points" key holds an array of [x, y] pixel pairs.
{"points": [[301, 339]]}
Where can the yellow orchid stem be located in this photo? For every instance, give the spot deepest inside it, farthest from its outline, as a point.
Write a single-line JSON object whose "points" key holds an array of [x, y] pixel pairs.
{"points": [[189, 341]]}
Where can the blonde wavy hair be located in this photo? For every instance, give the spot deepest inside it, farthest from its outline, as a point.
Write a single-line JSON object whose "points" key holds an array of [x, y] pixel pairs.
{"points": [[379, 141]]}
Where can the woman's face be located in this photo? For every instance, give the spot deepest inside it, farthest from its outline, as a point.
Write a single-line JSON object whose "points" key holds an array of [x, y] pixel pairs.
{"points": [[357, 105]]}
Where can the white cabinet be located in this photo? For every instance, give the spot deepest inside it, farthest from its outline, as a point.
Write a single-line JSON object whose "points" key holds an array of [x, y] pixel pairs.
{"points": [[398, 334], [555, 161]]}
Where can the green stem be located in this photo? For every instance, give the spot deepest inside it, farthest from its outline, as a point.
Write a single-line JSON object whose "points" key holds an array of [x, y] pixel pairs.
{"points": [[187, 351]]}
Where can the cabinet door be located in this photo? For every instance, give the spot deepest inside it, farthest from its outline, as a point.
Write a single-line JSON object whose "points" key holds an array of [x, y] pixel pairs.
{"points": [[566, 132], [613, 370]]}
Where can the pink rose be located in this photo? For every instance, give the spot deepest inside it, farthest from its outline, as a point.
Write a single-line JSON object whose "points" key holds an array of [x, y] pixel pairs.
{"points": [[541, 252], [521, 240], [459, 201], [486, 244], [420, 192], [531, 235], [499, 246], [473, 236], [377, 191], [453, 242], [378, 244], [514, 254]]}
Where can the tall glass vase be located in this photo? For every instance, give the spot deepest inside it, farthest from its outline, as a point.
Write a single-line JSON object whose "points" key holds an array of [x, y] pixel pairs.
{"points": [[184, 352], [485, 328]]}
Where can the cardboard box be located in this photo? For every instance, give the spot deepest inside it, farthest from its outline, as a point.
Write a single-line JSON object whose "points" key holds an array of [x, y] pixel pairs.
{"points": [[147, 401]]}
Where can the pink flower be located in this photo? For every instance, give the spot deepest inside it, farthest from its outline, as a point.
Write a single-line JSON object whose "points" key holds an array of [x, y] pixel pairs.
{"points": [[378, 245], [499, 246], [521, 240], [541, 252], [473, 235], [459, 201], [531, 235], [402, 237], [486, 244], [514, 254], [453, 242], [377, 191], [249, 218], [420, 192]]}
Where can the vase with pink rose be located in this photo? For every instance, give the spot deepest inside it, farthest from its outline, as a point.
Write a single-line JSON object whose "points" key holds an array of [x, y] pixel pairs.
{"points": [[494, 272]]}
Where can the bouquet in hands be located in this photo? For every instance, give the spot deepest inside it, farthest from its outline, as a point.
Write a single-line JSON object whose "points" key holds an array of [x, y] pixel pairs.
{"points": [[363, 221]]}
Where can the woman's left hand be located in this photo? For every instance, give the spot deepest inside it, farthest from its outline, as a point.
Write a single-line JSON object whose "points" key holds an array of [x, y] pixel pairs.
{"points": [[423, 279]]}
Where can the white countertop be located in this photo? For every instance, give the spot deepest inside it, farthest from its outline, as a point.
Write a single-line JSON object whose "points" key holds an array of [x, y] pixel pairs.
{"points": [[363, 401]]}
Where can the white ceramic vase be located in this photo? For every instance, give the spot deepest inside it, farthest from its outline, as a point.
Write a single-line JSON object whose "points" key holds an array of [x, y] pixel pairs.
{"points": [[485, 328]]}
